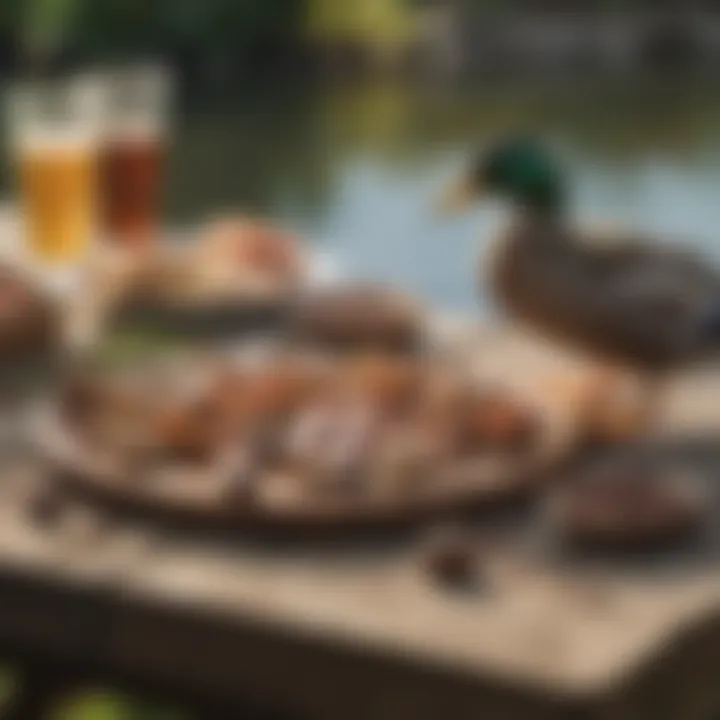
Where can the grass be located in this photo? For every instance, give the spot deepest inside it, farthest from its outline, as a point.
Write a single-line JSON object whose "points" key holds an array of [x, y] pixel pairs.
{"points": [[127, 347], [109, 705], [93, 704]]}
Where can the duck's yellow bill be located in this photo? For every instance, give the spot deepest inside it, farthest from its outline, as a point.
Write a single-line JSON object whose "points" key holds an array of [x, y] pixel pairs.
{"points": [[458, 197]]}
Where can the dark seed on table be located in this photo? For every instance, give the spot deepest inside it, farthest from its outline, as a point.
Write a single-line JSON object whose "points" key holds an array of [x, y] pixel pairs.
{"points": [[451, 559]]}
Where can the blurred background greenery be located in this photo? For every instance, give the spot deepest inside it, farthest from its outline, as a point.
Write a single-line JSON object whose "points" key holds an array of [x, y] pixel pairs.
{"points": [[223, 40]]}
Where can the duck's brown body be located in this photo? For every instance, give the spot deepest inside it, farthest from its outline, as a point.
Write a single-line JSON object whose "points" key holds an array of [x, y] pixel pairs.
{"points": [[631, 303]]}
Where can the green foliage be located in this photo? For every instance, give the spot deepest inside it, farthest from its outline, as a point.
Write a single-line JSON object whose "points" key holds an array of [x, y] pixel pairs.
{"points": [[371, 21], [111, 706], [129, 347], [110, 27], [220, 21], [42, 25], [107, 27]]}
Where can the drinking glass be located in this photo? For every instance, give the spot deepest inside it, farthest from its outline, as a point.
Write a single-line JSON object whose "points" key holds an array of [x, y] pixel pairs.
{"points": [[133, 152], [54, 138]]}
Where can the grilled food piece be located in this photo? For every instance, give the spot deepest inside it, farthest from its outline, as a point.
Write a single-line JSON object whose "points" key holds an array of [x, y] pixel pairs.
{"points": [[626, 508], [29, 323], [359, 316]]}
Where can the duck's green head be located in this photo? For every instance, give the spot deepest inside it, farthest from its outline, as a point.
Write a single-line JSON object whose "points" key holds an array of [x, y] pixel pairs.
{"points": [[519, 170]]}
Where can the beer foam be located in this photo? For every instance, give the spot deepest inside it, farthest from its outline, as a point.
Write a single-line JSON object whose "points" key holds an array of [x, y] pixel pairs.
{"points": [[135, 129], [55, 116], [139, 99], [43, 142]]}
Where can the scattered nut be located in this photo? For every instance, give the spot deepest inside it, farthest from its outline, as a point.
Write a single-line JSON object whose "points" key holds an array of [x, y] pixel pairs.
{"points": [[451, 559]]}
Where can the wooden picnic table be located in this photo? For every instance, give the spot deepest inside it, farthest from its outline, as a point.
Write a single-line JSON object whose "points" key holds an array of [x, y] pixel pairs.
{"points": [[354, 634], [356, 630]]}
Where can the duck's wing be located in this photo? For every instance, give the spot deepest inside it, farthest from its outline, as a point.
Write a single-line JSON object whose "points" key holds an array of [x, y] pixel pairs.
{"points": [[662, 311], [623, 255], [656, 296]]}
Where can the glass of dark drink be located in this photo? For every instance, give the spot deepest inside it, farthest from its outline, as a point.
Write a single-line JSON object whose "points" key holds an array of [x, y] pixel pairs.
{"points": [[133, 153]]}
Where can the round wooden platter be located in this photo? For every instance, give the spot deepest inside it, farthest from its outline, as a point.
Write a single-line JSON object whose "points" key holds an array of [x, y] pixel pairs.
{"points": [[204, 496]]}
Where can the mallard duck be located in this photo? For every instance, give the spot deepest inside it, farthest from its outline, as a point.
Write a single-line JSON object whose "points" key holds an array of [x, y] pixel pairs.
{"points": [[631, 302]]}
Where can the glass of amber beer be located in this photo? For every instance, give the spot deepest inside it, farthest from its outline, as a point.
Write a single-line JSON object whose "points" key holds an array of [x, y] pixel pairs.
{"points": [[132, 154], [55, 136]]}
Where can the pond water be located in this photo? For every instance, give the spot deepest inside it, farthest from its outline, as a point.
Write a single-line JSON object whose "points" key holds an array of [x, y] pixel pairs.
{"points": [[358, 168]]}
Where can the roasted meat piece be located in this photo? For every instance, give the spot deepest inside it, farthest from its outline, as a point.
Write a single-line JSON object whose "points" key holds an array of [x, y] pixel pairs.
{"points": [[390, 384], [477, 418], [29, 323], [359, 317], [194, 430], [253, 246], [626, 507], [330, 442]]}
